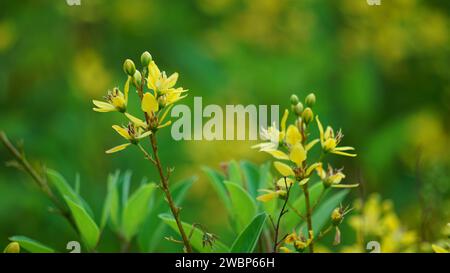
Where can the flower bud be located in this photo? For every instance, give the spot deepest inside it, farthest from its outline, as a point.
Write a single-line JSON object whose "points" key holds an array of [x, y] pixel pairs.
{"points": [[146, 58], [337, 216], [307, 115], [129, 67], [310, 100], [12, 247], [294, 99], [137, 77], [298, 109], [162, 101]]}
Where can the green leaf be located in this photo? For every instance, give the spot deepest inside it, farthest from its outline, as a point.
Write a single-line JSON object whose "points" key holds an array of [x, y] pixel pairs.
{"points": [[234, 173], [136, 210], [291, 219], [88, 229], [152, 231], [246, 241], [216, 180], [64, 189], [197, 236], [323, 212], [31, 245], [251, 174], [107, 211], [243, 205]]}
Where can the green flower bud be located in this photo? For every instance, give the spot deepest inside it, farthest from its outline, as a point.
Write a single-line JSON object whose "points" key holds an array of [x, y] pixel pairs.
{"points": [[298, 109], [307, 115], [162, 101], [12, 247], [310, 100], [294, 99], [137, 77], [129, 67], [146, 58]]}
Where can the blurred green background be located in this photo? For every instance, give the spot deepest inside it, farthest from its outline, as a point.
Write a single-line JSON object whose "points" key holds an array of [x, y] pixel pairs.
{"points": [[379, 72]]}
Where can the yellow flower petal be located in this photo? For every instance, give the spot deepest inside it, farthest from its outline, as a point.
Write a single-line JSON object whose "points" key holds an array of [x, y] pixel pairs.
{"points": [[138, 122], [171, 81], [126, 89], [293, 135], [149, 103], [165, 124], [277, 154], [118, 148], [283, 169], [267, 197], [320, 129], [344, 148], [103, 106], [282, 182], [303, 181], [153, 75], [122, 131], [311, 168], [283, 120], [345, 186], [311, 144], [343, 153], [298, 154]]}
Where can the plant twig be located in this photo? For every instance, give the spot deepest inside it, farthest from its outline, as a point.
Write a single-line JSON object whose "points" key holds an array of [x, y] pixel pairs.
{"points": [[282, 212], [40, 180]]}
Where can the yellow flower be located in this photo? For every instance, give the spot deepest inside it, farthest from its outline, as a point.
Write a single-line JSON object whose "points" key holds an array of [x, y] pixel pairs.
{"points": [[132, 133], [158, 81], [285, 249], [115, 100], [332, 177], [330, 141], [270, 195], [273, 137], [291, 238]]}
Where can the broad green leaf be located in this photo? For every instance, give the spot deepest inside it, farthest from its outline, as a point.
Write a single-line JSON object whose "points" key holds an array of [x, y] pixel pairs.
{"points": [[64, 189], [152, 231], [246, 241], [88, 229], [216, 180], [291, 219], [234, 173], [243, 205], [31, 245], [322, 215], [251, 174], [196, 240], [112, 180], [136, 210]]}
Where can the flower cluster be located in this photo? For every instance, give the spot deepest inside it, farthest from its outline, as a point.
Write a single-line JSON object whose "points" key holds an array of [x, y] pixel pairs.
{"points": [[291, 145], [157, 94]]}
